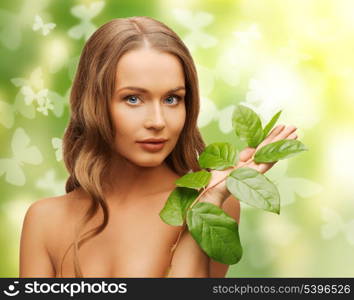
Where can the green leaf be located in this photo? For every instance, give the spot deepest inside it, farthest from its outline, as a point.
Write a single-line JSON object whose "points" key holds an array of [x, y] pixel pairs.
{"points": [[278, 150], [253, 188], [215, 232], [174, 211], [194, 180], [270, 124], [247, 126], [218, 156]]}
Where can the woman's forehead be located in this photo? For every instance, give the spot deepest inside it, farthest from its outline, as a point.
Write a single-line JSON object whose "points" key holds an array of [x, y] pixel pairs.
{"points": [[143, 67]]}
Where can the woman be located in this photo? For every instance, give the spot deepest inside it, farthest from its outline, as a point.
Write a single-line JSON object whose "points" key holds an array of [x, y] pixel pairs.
{"points": [[135, 81]]}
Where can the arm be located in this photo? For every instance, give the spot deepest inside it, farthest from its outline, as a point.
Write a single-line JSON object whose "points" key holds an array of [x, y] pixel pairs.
{"points": [[34, 256], [189, 260]]}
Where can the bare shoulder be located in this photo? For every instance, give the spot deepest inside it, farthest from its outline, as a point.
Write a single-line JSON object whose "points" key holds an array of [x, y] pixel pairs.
{"points": [[55, 212], [48, 210], [46, 215], [44, 219], [43, 210], [35, 258]]}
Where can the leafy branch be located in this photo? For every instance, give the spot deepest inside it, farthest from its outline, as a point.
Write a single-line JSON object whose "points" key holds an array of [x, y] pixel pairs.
{"points": [[215, 231]]}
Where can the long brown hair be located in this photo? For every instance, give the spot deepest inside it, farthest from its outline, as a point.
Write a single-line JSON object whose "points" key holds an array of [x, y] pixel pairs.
{"points": [[88, 139]]}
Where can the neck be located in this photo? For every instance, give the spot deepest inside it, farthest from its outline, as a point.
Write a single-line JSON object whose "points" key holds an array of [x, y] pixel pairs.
{"points": [[126, 179]]}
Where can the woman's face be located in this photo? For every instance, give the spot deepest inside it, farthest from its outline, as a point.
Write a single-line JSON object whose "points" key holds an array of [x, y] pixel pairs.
{"points": [[144, 105]]}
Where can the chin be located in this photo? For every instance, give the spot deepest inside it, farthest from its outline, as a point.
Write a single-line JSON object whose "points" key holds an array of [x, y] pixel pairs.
{"points": [[150, 163]]}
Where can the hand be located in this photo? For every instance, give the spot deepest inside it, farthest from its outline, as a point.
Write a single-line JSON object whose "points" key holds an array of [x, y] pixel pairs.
{"points": [[217, 192]]}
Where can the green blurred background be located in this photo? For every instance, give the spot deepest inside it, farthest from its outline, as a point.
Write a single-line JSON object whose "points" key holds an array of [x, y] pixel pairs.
{"points": [[269, 55]]}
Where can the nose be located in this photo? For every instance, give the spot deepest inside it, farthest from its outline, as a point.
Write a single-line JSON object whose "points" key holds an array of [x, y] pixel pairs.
{"points": [[155, 117]]}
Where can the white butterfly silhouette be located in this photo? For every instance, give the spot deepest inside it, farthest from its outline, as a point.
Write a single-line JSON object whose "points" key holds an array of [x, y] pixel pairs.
{"points": [[22, 153], [57, 144], [44, 103], [39, 24], [85, 14], [25, 98], [31, 96], [48, 182], [334, 224], [195, 22], [8, 111], [43, 107]]}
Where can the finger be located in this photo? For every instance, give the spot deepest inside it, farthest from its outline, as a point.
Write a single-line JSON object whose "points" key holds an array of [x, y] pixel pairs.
{"points": [[246, 153], [276, 130], [292, 136], [261, 167], [284, 134]]}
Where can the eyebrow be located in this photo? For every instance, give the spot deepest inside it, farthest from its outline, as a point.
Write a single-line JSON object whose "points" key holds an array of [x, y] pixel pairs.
{"points": [[146, 91]]}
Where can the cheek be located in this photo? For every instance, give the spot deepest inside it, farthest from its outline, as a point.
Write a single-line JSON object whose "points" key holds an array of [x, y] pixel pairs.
{"points": [[177, 120], [125, 124]]}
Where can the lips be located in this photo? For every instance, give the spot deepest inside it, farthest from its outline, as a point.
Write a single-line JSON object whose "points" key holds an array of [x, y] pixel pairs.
{"points": [[152, 146], [153, 140]]}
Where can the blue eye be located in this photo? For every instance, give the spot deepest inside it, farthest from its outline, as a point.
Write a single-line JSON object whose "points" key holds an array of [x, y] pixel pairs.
{"points": [[176, 97], [129, 97]]}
